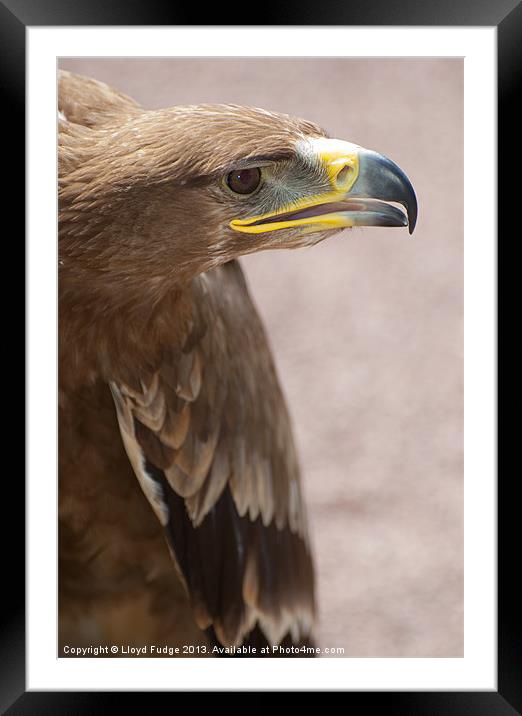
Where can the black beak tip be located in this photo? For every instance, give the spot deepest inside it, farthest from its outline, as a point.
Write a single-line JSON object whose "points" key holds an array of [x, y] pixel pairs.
{"points": [[412, 218], [411, 207]]}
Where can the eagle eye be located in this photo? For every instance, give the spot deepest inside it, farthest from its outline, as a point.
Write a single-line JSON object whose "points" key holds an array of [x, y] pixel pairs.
{"points": [[244, 181]]}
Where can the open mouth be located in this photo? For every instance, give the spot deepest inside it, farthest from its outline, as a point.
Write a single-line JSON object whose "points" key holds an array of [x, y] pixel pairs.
{"points": [[339, 214], [349, 206]]}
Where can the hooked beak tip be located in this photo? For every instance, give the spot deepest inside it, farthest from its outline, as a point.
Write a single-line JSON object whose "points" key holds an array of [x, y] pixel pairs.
{"points": [[380, 178]]}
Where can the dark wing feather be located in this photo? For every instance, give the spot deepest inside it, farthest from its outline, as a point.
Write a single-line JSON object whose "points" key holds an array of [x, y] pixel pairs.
{"points": [[209, 438]]}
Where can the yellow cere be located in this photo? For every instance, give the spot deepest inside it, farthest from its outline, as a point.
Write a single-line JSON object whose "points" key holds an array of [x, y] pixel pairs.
{"points": [[341, 162]]}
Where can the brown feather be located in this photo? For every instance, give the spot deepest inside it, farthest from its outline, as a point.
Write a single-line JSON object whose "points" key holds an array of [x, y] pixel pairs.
{"points": [[152, 305], [200, 472]]}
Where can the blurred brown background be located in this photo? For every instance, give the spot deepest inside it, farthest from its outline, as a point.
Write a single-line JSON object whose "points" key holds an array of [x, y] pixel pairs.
{"points": [[367, 331]]}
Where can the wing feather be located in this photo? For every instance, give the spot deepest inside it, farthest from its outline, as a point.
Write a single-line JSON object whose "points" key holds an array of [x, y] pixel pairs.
{"points": [[87, 102], [210, 441]]}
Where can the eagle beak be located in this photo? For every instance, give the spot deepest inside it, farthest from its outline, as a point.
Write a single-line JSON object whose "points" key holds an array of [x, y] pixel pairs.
{"points": [[361, 182], [381, 180]]}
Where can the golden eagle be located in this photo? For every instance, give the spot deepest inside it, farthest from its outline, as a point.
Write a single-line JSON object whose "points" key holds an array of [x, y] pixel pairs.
{"points": [[165, 373]]}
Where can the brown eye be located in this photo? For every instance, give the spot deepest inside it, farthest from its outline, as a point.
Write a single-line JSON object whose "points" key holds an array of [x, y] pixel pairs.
{"points": [[244, 181]]}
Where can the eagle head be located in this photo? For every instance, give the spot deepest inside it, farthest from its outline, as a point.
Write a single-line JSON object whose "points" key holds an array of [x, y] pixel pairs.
{"points": [[161, 196]]}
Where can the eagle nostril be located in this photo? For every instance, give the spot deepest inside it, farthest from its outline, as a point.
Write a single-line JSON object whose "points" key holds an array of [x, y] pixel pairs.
{"points": [[343, 175]]}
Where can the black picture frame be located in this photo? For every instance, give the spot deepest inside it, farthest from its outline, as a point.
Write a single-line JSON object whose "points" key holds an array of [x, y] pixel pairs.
{"points": [[506, 15]]}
